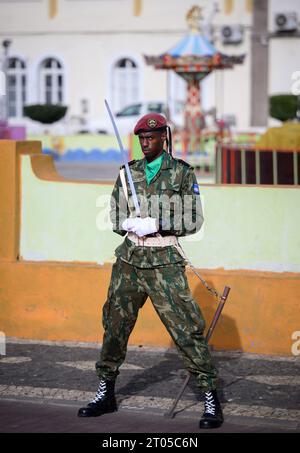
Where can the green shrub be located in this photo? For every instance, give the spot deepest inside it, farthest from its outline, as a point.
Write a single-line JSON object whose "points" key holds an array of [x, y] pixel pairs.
{"points": [[45, 113], [283, 107]]}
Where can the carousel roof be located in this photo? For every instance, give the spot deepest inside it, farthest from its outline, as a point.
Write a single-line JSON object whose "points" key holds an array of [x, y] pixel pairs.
{"points": [[193, 53], [192, 44]]}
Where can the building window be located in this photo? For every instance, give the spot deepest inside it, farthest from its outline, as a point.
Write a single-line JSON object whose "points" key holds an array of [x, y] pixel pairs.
{"points": [[125, 89], [51, 82], [16, 87]]}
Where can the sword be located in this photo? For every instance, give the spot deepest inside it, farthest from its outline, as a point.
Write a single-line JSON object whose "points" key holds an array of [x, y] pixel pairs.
{"points": [[124, 157]]}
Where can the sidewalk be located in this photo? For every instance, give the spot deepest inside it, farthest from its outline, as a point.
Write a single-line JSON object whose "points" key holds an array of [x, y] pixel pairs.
{"points": [[42, 385]]}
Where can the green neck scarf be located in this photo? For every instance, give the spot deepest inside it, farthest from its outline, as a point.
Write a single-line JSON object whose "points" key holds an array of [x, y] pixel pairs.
{"points": [[152, 168]]}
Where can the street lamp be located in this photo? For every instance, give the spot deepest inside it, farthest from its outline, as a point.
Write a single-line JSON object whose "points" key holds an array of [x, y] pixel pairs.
{"points": [[6, 44]]}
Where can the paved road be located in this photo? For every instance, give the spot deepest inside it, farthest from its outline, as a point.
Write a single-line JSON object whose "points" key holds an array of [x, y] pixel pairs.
{"points": [[88, 170], [104, 171], [43, 385]]}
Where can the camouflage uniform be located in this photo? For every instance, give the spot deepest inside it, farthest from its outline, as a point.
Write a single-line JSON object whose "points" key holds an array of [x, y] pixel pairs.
{"points": [[157, 272]]}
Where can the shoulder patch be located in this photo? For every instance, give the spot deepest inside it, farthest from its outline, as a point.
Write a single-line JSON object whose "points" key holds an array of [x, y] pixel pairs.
{"points": [[129, 163], [195, 188]]}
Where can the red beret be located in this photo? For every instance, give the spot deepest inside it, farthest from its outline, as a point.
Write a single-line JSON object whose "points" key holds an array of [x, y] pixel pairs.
{"points": [[150, 122]]}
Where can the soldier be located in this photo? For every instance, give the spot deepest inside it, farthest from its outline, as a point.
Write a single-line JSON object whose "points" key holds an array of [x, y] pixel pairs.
{"points": [[150, 263]]}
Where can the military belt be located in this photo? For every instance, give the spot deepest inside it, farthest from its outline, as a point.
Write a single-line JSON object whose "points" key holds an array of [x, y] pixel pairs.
{"points": [[157, 241]]}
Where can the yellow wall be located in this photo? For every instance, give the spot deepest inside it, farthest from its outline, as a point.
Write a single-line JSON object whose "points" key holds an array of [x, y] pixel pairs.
{"points": [[58, 300]]}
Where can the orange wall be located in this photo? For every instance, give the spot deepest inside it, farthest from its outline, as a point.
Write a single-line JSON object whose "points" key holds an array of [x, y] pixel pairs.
{"points": [[57, 301], [63, 301]]}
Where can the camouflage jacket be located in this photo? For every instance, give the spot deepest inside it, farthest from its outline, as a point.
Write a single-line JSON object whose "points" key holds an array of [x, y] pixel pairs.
{"points": [[172, 196]]}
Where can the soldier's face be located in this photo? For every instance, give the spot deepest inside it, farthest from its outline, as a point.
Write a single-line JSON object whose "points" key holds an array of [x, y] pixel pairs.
{"points": [[152, 144]]}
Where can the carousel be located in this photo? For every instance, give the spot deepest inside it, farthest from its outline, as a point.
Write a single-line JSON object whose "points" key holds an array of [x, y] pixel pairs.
{"points": [[193, 58]]}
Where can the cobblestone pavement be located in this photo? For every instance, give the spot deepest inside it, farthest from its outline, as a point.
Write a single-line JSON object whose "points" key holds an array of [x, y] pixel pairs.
{"points": [[258, 393]]}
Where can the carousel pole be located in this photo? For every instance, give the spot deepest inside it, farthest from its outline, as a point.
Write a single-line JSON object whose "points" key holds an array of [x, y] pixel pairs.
{"points": [[193, 115]]}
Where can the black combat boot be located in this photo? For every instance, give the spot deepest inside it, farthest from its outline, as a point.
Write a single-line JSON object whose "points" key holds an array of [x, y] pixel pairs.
{"points": [[212, 416], [103, 402]]}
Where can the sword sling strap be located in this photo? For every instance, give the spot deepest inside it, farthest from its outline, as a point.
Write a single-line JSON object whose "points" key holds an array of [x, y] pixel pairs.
{"points": [[209, 288]]}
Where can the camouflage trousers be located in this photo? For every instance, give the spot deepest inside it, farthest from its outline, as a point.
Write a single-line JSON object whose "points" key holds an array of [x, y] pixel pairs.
{"points": [[169, 292]]}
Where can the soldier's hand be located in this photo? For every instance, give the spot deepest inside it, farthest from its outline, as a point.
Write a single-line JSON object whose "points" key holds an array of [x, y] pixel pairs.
{"points": [[145, 226], [128, 224], [141, 227]]}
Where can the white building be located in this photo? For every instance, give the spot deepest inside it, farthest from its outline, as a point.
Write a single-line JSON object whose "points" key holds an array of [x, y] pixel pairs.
{"points": [[79, 52]]}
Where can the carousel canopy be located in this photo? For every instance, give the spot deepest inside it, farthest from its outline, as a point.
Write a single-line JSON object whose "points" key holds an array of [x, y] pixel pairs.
{"points": [[193, 44], [193, 56]]}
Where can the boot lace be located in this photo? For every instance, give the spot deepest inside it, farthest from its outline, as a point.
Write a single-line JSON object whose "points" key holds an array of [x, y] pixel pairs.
{"points": [[101, 392], [209, 403]]}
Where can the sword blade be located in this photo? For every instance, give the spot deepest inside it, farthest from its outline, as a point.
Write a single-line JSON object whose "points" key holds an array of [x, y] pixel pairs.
{"points": [[124, 157]]}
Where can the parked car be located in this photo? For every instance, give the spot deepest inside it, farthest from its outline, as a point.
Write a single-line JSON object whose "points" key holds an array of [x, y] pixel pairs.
{"points": [[126, 118]]}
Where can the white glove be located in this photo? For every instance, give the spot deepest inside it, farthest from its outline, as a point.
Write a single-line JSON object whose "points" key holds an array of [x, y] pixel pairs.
{"points": [[128, 224], [139, 226]]}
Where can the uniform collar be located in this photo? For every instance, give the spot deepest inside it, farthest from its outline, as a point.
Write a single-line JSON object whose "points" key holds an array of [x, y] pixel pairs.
{"points": [[139, 169], [166, 163]]}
